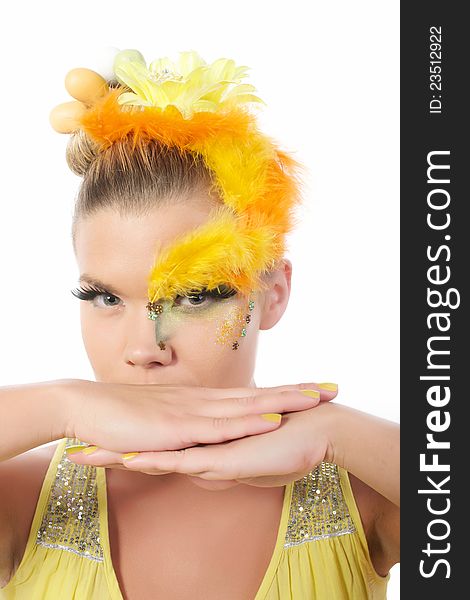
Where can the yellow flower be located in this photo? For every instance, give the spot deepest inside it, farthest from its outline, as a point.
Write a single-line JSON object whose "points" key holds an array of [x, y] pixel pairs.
{"points": [[189, 84]]}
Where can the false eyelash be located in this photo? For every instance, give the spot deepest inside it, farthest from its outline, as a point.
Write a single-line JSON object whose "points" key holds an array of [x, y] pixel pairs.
{"points": [[89, 293], [220, 292]]}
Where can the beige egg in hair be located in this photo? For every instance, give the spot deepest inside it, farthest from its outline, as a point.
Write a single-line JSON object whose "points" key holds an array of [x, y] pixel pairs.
{"points": [[85, 85], [64, 117]]}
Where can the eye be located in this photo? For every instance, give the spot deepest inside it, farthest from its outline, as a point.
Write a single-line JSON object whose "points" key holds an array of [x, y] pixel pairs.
{"points": [[205, 297], [192, 300], [93, 294], [108, 300]]}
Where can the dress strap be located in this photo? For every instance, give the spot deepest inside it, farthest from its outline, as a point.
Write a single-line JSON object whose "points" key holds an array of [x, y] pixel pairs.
{"points": [[67, 516], [42, 501], [319, 508]]}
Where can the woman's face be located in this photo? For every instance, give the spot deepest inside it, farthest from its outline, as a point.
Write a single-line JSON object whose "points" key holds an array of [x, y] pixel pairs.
{"points": [[121, 341]]}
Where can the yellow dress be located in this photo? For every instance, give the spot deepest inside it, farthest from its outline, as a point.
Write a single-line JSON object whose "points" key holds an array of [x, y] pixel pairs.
{"points": [[321, 550]]}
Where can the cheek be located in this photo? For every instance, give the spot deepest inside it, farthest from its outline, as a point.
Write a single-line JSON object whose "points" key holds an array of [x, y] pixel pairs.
{"points": [[233, 327], [97, 335], [220, 349]]}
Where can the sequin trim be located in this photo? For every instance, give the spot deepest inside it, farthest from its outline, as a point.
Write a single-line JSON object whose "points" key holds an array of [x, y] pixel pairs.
{"points": [[318, 509], [71, 518], [70, 522]]}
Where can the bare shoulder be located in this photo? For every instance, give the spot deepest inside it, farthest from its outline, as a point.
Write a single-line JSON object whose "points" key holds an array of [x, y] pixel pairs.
{"points": [[21, 479], [381, 522]]}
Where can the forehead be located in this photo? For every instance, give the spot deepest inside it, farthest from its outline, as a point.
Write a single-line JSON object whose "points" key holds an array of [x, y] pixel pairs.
{"points": [[121, 249]]}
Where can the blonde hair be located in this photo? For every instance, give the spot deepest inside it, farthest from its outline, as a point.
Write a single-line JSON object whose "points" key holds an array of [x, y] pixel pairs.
{"points": [[133, 180]]}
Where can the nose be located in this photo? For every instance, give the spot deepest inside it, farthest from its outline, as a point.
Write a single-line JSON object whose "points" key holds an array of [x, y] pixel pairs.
{"points": [[143, 349]]}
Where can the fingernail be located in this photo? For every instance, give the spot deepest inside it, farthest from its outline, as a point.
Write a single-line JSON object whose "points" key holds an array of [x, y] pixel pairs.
{"points": [[90, 450], [74, 449], [129, 455], [330, 387], [273, 417], [311, 393]]}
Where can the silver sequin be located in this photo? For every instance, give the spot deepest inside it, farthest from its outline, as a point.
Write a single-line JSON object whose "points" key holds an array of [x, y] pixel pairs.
{"points": [[318, 509], [71, 518]]}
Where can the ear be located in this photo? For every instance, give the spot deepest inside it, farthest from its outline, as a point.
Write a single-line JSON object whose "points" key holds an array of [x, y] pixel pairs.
{"points": [[277, 295]]}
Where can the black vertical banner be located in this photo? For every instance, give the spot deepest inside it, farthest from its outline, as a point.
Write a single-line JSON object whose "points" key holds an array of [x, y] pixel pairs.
{"points": [[435, 268]]}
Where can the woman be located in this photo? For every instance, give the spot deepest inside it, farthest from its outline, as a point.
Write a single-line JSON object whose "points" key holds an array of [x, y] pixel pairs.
{"points": [[179, 234]]}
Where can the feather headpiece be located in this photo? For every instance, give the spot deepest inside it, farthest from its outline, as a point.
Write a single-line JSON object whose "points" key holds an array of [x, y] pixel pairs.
{"points": [[202, 109]]}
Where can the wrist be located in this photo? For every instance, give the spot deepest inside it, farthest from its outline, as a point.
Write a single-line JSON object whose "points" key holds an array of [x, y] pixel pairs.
{"points": [[66, 406], [32, 415], [333, 417]]}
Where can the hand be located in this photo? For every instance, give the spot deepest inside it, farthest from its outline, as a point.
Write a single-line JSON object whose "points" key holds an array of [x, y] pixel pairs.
{"points": [[272, 459], [129, 418]]}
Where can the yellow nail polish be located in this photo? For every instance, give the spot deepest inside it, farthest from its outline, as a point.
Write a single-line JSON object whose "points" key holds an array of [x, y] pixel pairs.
{"points": [[74, 449], [90, 450], [330, 387], [273, 417], [129, 455], [311, 393]]}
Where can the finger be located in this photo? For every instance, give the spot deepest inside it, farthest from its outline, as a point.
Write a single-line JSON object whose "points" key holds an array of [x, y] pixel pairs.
{"points": [[97, 457], [190, 431], [190, 461], [233, 392], [281, 401], [327, 390], [195, 430], [104, 458], [268, 398], [207, 462], [214, 393]]}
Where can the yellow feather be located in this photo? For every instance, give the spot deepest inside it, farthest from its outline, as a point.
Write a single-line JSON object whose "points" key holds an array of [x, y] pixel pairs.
{"points": [[202, 109], [224, 250]]}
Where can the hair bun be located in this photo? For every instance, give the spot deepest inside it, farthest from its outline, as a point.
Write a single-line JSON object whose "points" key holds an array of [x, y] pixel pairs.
{"points": [[80, 153]]}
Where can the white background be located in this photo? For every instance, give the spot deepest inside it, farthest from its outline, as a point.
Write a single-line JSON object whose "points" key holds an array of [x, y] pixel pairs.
{"points": [[329, 73]]}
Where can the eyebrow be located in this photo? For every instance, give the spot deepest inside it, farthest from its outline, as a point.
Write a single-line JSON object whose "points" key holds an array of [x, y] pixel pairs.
{"points": [[85, 277]]}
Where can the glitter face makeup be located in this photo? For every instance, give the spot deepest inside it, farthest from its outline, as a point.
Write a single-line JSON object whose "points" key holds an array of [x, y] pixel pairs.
{"points": [[227, 311], [235, 325]]}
